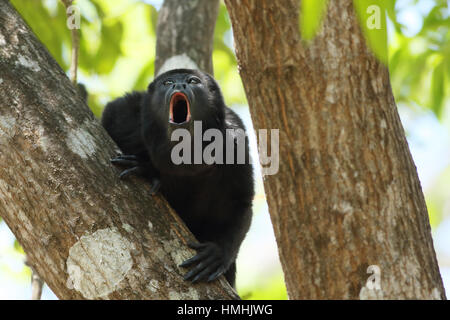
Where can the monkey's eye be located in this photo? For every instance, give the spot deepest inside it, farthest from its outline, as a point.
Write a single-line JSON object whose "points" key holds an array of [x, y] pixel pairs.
{"points": [[193, 80], [168, 82]]}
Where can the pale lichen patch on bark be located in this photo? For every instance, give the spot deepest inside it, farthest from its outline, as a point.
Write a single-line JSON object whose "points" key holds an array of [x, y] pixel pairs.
{"points": [[81, 142], [192, 294], [153, 285], [343, 207], [98, 262], [43, 140], [174, 295], [7, 124], [28, 63], [436, 294], [331, 92], [127, 228], [173, 247]]}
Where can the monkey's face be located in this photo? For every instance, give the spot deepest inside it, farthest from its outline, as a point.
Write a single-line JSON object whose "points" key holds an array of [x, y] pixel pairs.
{"points": [[181, 97]]}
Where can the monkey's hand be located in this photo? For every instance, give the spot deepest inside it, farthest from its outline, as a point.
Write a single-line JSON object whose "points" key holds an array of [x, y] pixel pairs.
{"points": [[209, 262], [136, 166]]}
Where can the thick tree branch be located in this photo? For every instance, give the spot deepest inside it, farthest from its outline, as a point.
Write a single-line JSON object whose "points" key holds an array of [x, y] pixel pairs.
{"points": [[185, 35], [346, 205], [87, 233]]}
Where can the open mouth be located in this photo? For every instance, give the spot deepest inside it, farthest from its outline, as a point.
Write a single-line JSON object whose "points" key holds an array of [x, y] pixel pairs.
{"points": [[179, 108]]}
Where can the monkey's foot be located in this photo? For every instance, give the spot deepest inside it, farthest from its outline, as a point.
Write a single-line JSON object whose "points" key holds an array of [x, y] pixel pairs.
{"points": [[209, 262]]}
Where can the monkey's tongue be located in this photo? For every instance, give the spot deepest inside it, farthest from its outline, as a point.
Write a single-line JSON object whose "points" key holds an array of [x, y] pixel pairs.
{"points": [[179, 108]]}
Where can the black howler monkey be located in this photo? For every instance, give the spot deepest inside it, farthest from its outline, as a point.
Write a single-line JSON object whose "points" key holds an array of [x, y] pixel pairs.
{"points": [[214, 200]]}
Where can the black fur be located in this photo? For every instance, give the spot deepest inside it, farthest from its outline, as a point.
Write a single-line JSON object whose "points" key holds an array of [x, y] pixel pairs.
{"points": [[215, 201]]}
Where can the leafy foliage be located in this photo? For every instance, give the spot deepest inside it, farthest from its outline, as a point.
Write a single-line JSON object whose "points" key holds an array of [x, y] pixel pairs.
{"points": [[50, 28], [420, 64], [427, 54]]}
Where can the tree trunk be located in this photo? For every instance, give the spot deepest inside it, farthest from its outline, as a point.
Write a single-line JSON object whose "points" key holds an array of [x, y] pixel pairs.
{"points": [[347, 195], [185, 35], [87, 233]]}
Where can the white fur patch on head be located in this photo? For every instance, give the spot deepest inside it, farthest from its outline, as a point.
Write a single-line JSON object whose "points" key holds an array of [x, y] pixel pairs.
{"points": [[181, 61]]}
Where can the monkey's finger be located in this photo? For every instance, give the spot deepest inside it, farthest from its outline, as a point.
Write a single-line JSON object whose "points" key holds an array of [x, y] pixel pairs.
{"points": [[216, 274], [198, 268], [127, 157], [198, 257], [124, 162], [134, 170], [206, 272], [155, 186]]}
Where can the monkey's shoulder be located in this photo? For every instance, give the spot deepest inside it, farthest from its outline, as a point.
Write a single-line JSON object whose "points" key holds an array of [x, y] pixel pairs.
{"points": [[127, 105], [232, 120], [121, 119]]}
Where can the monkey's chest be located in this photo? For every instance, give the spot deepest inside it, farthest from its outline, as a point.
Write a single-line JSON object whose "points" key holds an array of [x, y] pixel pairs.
{"points": [[198, 203]]}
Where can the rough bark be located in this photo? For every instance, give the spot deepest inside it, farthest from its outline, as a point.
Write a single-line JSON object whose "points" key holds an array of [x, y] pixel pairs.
{"points": [[87, 233], [347, 195], [185, 32]]}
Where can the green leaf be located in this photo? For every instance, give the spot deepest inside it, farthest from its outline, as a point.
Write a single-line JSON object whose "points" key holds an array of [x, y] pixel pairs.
{"points": [[145, 76], [98, 8], [311, 15], [437, 89], [153, 16], [109, 50], [436, 18], [372, 18], [222, 23], [393, 15], [223, 26], [18, 247], [396, 60], [51, 29]]}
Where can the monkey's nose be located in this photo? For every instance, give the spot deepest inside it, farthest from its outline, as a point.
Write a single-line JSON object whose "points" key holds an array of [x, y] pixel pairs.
{"points": [[179, 86]]}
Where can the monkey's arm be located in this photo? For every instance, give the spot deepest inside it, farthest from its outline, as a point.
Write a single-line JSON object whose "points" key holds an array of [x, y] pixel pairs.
{"points": [[121, 119], [230, 220], [224, 229], [215, 256]]}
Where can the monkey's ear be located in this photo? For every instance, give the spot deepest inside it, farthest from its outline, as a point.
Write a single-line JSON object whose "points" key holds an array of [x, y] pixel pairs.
{"points": [[151, 86]]}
